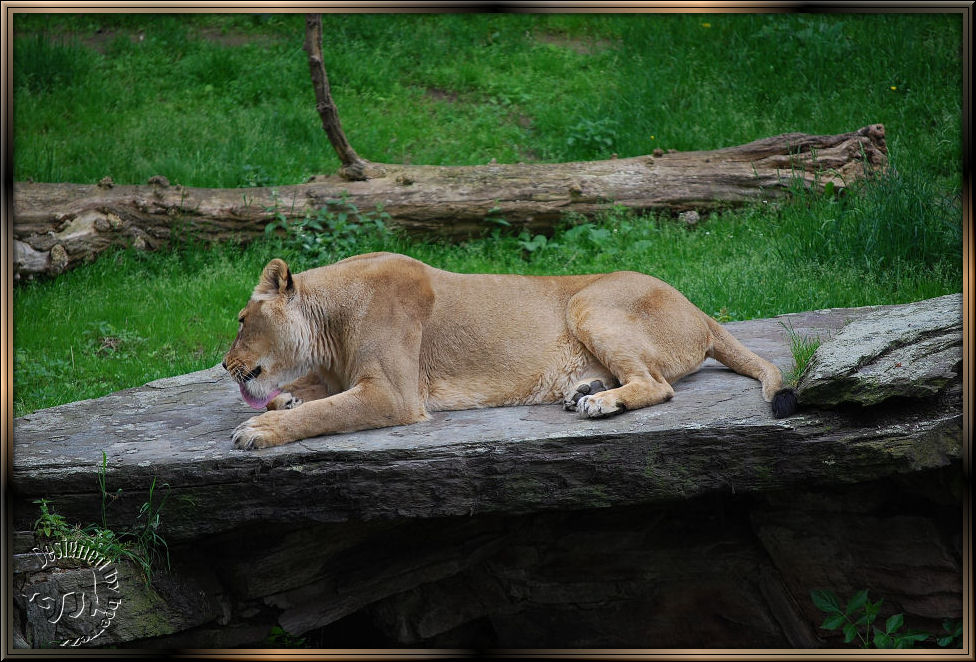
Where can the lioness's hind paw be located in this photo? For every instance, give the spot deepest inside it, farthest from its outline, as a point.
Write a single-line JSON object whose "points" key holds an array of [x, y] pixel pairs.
{"points": [[596, 406], [582, 390]]}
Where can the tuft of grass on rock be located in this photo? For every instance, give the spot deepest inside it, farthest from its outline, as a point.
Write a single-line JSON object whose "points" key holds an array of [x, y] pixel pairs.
{"points": [[802, 347]]}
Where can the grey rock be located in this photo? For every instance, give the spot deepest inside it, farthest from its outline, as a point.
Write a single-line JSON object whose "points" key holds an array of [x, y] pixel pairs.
{"points": [[71, 602], [890, 537], [716, 433], [702, 573], [910, 351]]}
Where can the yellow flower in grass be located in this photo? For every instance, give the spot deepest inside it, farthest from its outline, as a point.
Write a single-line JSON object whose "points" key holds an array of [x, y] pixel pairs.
{"points": [[706, 25], [894, 87]]}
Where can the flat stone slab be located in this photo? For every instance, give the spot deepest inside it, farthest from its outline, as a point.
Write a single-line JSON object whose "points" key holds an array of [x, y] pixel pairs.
{"points": [[910, 351], [715, 434]]}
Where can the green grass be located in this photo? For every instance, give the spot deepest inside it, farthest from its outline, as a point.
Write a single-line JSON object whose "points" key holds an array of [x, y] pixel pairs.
{"points": [[212, 100], [225, 100]]}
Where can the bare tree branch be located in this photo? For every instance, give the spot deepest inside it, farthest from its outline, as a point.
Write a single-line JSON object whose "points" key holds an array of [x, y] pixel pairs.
{"points": [[353, 166]]}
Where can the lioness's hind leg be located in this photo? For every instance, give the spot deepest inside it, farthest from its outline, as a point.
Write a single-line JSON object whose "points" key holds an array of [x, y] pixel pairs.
{"points": [[617, 347], [643, 332]]}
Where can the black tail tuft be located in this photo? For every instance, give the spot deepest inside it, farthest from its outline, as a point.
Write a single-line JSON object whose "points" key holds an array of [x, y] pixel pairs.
{"points": [[784, 402]]}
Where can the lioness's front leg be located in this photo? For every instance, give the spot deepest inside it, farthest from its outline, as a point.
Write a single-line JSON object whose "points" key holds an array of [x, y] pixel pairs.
{"points": [[364, 406]]}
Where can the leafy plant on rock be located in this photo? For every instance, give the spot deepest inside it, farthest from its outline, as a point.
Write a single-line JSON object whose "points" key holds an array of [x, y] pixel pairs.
{"points": [[953, 636], [278, 637], [856, 620]]}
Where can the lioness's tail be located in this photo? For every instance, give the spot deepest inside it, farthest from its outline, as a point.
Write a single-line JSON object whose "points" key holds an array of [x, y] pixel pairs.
{"points": [[729, 351]]}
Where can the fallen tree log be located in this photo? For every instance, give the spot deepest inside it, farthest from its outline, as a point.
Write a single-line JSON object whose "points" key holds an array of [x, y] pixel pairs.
{"points": [[58, 226]]}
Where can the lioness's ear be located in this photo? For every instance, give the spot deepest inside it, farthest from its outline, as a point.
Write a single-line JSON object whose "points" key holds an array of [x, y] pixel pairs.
{"points": [[276, 279]]}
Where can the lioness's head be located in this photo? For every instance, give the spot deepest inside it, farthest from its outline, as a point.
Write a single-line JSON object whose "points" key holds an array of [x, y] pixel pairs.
{"points": [[271, 347]]}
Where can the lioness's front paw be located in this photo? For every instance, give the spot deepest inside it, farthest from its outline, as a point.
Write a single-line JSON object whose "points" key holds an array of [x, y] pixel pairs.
{"points": [[284, 401], [597, 406], [258, 432]]}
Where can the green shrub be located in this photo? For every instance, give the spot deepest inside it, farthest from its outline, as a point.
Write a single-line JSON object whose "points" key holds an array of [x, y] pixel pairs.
{"points": [[336, 230], [857, 618]]}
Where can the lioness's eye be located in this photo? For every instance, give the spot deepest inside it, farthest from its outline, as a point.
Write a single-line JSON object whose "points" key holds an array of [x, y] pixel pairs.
{"points": [[240, 320]]}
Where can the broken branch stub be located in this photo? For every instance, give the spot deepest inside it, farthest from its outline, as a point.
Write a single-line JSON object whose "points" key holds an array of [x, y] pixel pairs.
{"points": [[353, 166]]}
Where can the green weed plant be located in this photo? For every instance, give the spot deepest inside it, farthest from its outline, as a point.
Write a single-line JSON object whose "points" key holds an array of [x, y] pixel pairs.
{"points": [[336, 230], [141, 543], [857, 621]]}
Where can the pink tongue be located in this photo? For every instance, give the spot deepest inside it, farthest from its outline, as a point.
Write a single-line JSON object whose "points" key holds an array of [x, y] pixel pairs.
{"points": [[254, 403]]}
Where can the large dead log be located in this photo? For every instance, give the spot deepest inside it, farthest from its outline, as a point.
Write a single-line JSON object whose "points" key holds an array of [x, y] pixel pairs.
{"points": [[57, 226]]}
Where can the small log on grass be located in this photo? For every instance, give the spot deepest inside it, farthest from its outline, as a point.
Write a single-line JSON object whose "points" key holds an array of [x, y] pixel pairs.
{"points": [[58, 226]]}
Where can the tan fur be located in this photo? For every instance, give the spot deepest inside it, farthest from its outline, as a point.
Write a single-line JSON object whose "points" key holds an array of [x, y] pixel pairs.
{"points": [[383, 339]]}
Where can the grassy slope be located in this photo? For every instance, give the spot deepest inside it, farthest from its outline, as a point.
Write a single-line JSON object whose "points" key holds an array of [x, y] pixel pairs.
{"points": [[225, 101]]}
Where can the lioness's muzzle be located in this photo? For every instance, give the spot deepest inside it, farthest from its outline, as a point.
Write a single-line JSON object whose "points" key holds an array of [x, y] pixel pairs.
{"points": [[239, 373]]}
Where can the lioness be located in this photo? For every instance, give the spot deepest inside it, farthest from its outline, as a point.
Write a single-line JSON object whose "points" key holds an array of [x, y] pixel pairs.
{"points": [[383, 339]]}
